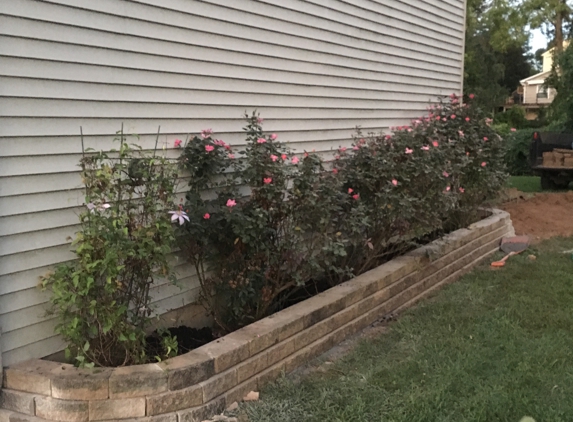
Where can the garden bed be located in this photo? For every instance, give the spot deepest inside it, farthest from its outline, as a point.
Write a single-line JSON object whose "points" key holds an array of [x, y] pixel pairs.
{"points": [[198, 384]]}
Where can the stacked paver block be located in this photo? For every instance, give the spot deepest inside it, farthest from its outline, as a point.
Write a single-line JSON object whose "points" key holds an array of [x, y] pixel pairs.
{"points": [[201, 383]]}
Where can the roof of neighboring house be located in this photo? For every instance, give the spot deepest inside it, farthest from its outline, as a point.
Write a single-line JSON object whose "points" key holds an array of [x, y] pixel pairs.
{"points": [[550, 51], [537, 79]]}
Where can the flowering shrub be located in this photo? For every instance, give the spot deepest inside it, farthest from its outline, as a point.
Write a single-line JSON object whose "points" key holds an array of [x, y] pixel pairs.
{"points": [[102, 299], [397, 178], [261, 245], [260, 224], [474, 155], [299, 222]]}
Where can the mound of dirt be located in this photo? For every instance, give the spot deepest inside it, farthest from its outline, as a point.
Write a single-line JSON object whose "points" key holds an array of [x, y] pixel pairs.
{"points": [[543, 216]]}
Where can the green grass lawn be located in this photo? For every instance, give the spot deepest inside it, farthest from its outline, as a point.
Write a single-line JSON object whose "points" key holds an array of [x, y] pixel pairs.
{"points": [[495, 346], [525, 183]]}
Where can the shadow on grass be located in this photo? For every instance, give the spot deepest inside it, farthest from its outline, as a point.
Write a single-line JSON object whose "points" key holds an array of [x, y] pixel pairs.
{"points": [[495, 346]]}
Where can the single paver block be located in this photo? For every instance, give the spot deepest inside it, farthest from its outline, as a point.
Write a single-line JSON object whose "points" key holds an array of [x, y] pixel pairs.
{"points": [[137, 381], [188, 369], [18, 401], [173, 401], [62, 410], [116, 409]]}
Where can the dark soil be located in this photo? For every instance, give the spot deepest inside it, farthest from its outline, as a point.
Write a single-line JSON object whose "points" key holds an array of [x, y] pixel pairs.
{"points": [[187, 339]]}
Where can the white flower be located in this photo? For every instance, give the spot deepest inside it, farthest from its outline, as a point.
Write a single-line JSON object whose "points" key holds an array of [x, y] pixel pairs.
{"points": [[99, 208], [179, 215]]}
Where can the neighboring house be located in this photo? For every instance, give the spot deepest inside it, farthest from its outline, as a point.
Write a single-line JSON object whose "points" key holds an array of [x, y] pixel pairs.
{"points": [[315, 69], [534, 92]]}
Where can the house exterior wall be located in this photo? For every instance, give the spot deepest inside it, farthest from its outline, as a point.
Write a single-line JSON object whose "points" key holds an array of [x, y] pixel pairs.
{"points": [[530, 95], [315, 69]]}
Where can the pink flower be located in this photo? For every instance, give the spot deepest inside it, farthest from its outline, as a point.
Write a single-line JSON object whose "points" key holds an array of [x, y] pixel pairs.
{"points": [[231, 156], [462, 190], [394, 182], [453, 116], [267, 180], [295, 160], [231, 203], [227, 147], [274, 157], [218, 142], [472, 96], [484, 164], [259, 120], [261, 141], [206, 216], [408, 151], [444, 119], [284, 157], [209, 148], [438, 117], [513, 129], [461, 133], [410, 129], [337, 157], [356, 197], [448, 189], [350, 190], [435, 144], [467, 119], [274, 136], [335, 171], [445, 174], [205, 133], [425, 148], [485, 138], [177, 143], [342, 149], [355, 147]]}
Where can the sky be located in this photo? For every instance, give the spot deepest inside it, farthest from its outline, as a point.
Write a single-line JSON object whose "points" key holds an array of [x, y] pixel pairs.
{"points": [[538, 41]]}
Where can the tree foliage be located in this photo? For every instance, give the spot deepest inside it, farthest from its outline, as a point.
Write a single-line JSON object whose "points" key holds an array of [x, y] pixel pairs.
{"points": [[562, 107], [551, 16], [496, 51]]}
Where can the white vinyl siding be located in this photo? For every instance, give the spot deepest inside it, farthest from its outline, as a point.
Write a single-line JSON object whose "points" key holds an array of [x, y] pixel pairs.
{"points": [[315, 69]]}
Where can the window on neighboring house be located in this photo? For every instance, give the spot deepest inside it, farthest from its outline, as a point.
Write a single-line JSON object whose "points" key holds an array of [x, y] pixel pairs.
{"points": [[542, 91]]}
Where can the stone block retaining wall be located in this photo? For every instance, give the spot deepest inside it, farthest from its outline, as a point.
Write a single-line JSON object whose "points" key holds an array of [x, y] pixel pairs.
{"points": [[201, 383]]}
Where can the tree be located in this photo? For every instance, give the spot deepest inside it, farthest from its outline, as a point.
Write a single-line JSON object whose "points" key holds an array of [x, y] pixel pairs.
{"points": [[562, 107], [553, 16], [538, 59], [483, 73], [516, 61], [496, 51]]}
